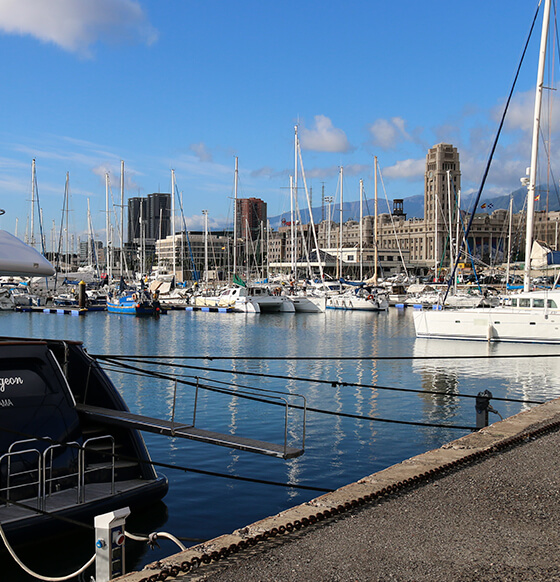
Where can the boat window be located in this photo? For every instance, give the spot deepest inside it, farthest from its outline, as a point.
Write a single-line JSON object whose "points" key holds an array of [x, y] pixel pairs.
{"points": [[512, 302], [538, 302], [524, 302], [551, 303]]}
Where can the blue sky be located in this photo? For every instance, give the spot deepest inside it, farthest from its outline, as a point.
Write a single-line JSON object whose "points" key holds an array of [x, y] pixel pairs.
{"points": [[189, 85]]}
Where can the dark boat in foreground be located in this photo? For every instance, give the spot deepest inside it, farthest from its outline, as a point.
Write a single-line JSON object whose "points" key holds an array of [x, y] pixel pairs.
{"points": [[56, 460]]}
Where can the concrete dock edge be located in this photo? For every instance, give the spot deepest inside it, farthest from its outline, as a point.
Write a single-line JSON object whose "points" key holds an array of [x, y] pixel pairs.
{"points": [[412, 472]]}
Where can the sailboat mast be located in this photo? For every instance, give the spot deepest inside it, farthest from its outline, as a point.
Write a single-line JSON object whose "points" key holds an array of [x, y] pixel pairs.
{"points": [[341, 219], [108, 242], [32, 223], [375, 250], [509, 239], [174, 260], [205, 213], [235, 180], [122, 218], [361, 227], [535, 148], [293, 202]]}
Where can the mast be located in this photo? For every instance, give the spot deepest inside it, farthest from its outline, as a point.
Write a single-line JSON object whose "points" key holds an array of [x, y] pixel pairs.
{"points": [[205, 213], [108, 242], [375, 251], [436, 238], [292, 230], [32, 223], [450, 213], [339, 275], [361, 226], [122, 218], [509, 239], [173, 220], [293, 198], [535, 148], [235, 181]]}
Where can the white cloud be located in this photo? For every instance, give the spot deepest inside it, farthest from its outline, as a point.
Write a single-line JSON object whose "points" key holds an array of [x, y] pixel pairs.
{"points": [[406, 169], [75, 25], [387, 133], [201, 151], [324, 137]]}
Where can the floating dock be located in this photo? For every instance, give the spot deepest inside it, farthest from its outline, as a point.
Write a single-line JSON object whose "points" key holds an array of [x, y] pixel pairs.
{"points": [[55, 310]]}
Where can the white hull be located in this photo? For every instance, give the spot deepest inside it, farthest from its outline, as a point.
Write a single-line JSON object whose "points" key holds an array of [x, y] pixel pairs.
{"points": [[352, 303], [498, 324], [308, 304]]}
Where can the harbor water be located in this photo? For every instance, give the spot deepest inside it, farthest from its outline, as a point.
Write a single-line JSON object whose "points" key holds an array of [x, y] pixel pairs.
{"points": [[357, 359]]}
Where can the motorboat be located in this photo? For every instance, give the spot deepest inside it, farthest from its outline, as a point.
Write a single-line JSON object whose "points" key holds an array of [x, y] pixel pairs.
{"points": [[248, 299], [57, 461], [60, 458], [134, 303], [362, 298]]}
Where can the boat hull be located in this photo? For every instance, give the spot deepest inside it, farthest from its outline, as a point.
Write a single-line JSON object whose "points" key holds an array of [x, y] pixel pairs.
{"points": [[489, 324]]}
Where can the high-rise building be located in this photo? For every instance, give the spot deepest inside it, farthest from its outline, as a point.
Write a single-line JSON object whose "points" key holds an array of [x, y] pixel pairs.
{"points": [[159, 216], [149, 218], [251, 218]]}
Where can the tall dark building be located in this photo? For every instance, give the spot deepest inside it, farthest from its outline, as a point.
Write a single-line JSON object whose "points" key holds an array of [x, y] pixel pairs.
{"points": [[137, 217], [159, 216], [251, 217], [154, 212]]}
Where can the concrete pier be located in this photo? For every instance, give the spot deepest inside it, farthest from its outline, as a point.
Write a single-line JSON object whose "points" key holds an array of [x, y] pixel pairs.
{"points": [[484, 508]]}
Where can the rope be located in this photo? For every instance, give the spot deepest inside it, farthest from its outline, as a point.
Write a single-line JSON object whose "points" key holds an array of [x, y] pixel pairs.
{"points": [[152, 538], [333, 383], [39, 576]]}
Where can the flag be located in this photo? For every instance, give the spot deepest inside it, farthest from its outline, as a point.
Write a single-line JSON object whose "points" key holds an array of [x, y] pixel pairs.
{"points": [[490, 206], [238, 281], [537, 197], [483, 206]]}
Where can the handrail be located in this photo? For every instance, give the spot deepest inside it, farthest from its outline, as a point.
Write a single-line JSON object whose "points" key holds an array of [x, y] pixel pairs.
{"points": [[38, 482], [47, 481], [111, 465]]}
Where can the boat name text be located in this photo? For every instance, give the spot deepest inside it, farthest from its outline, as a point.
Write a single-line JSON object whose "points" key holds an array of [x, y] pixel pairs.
{"points": [[5, 403], [9, 382]]}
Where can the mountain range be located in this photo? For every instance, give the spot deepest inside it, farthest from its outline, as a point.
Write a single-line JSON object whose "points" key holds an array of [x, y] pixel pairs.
{"points": [[413, 206]]}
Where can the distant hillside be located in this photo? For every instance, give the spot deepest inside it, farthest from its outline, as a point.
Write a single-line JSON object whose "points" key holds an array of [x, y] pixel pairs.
{"points": [[414, 207]]}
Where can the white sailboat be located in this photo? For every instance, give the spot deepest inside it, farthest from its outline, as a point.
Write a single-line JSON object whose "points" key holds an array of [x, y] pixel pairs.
{"points": [[530, 316]]}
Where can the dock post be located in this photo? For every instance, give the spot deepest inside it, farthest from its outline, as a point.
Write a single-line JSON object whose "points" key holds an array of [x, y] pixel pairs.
{"points": [[482, 408], [82, 295]]}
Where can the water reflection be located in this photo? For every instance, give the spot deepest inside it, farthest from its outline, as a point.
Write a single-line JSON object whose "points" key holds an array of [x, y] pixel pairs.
{"points": [[338, 449]]}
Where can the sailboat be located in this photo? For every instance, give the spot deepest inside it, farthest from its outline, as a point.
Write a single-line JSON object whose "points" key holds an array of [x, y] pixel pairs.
{"points": [[530, 316]]}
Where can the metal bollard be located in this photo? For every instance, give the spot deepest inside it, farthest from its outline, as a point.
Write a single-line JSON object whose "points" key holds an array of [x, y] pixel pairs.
{"points": [[482, 407]]}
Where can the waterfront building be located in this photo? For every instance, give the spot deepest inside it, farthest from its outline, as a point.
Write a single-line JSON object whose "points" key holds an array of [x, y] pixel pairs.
{"points": [[421, 246], [190, 255]]}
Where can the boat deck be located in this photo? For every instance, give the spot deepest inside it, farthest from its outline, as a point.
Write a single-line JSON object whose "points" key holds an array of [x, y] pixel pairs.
{"points": [[65, 500]]}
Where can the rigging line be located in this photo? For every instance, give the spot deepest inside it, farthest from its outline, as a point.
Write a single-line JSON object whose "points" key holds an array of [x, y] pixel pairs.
{"points": [[333, 413], [323, 358], [254, 388], [491, 156], [315, 380]]}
